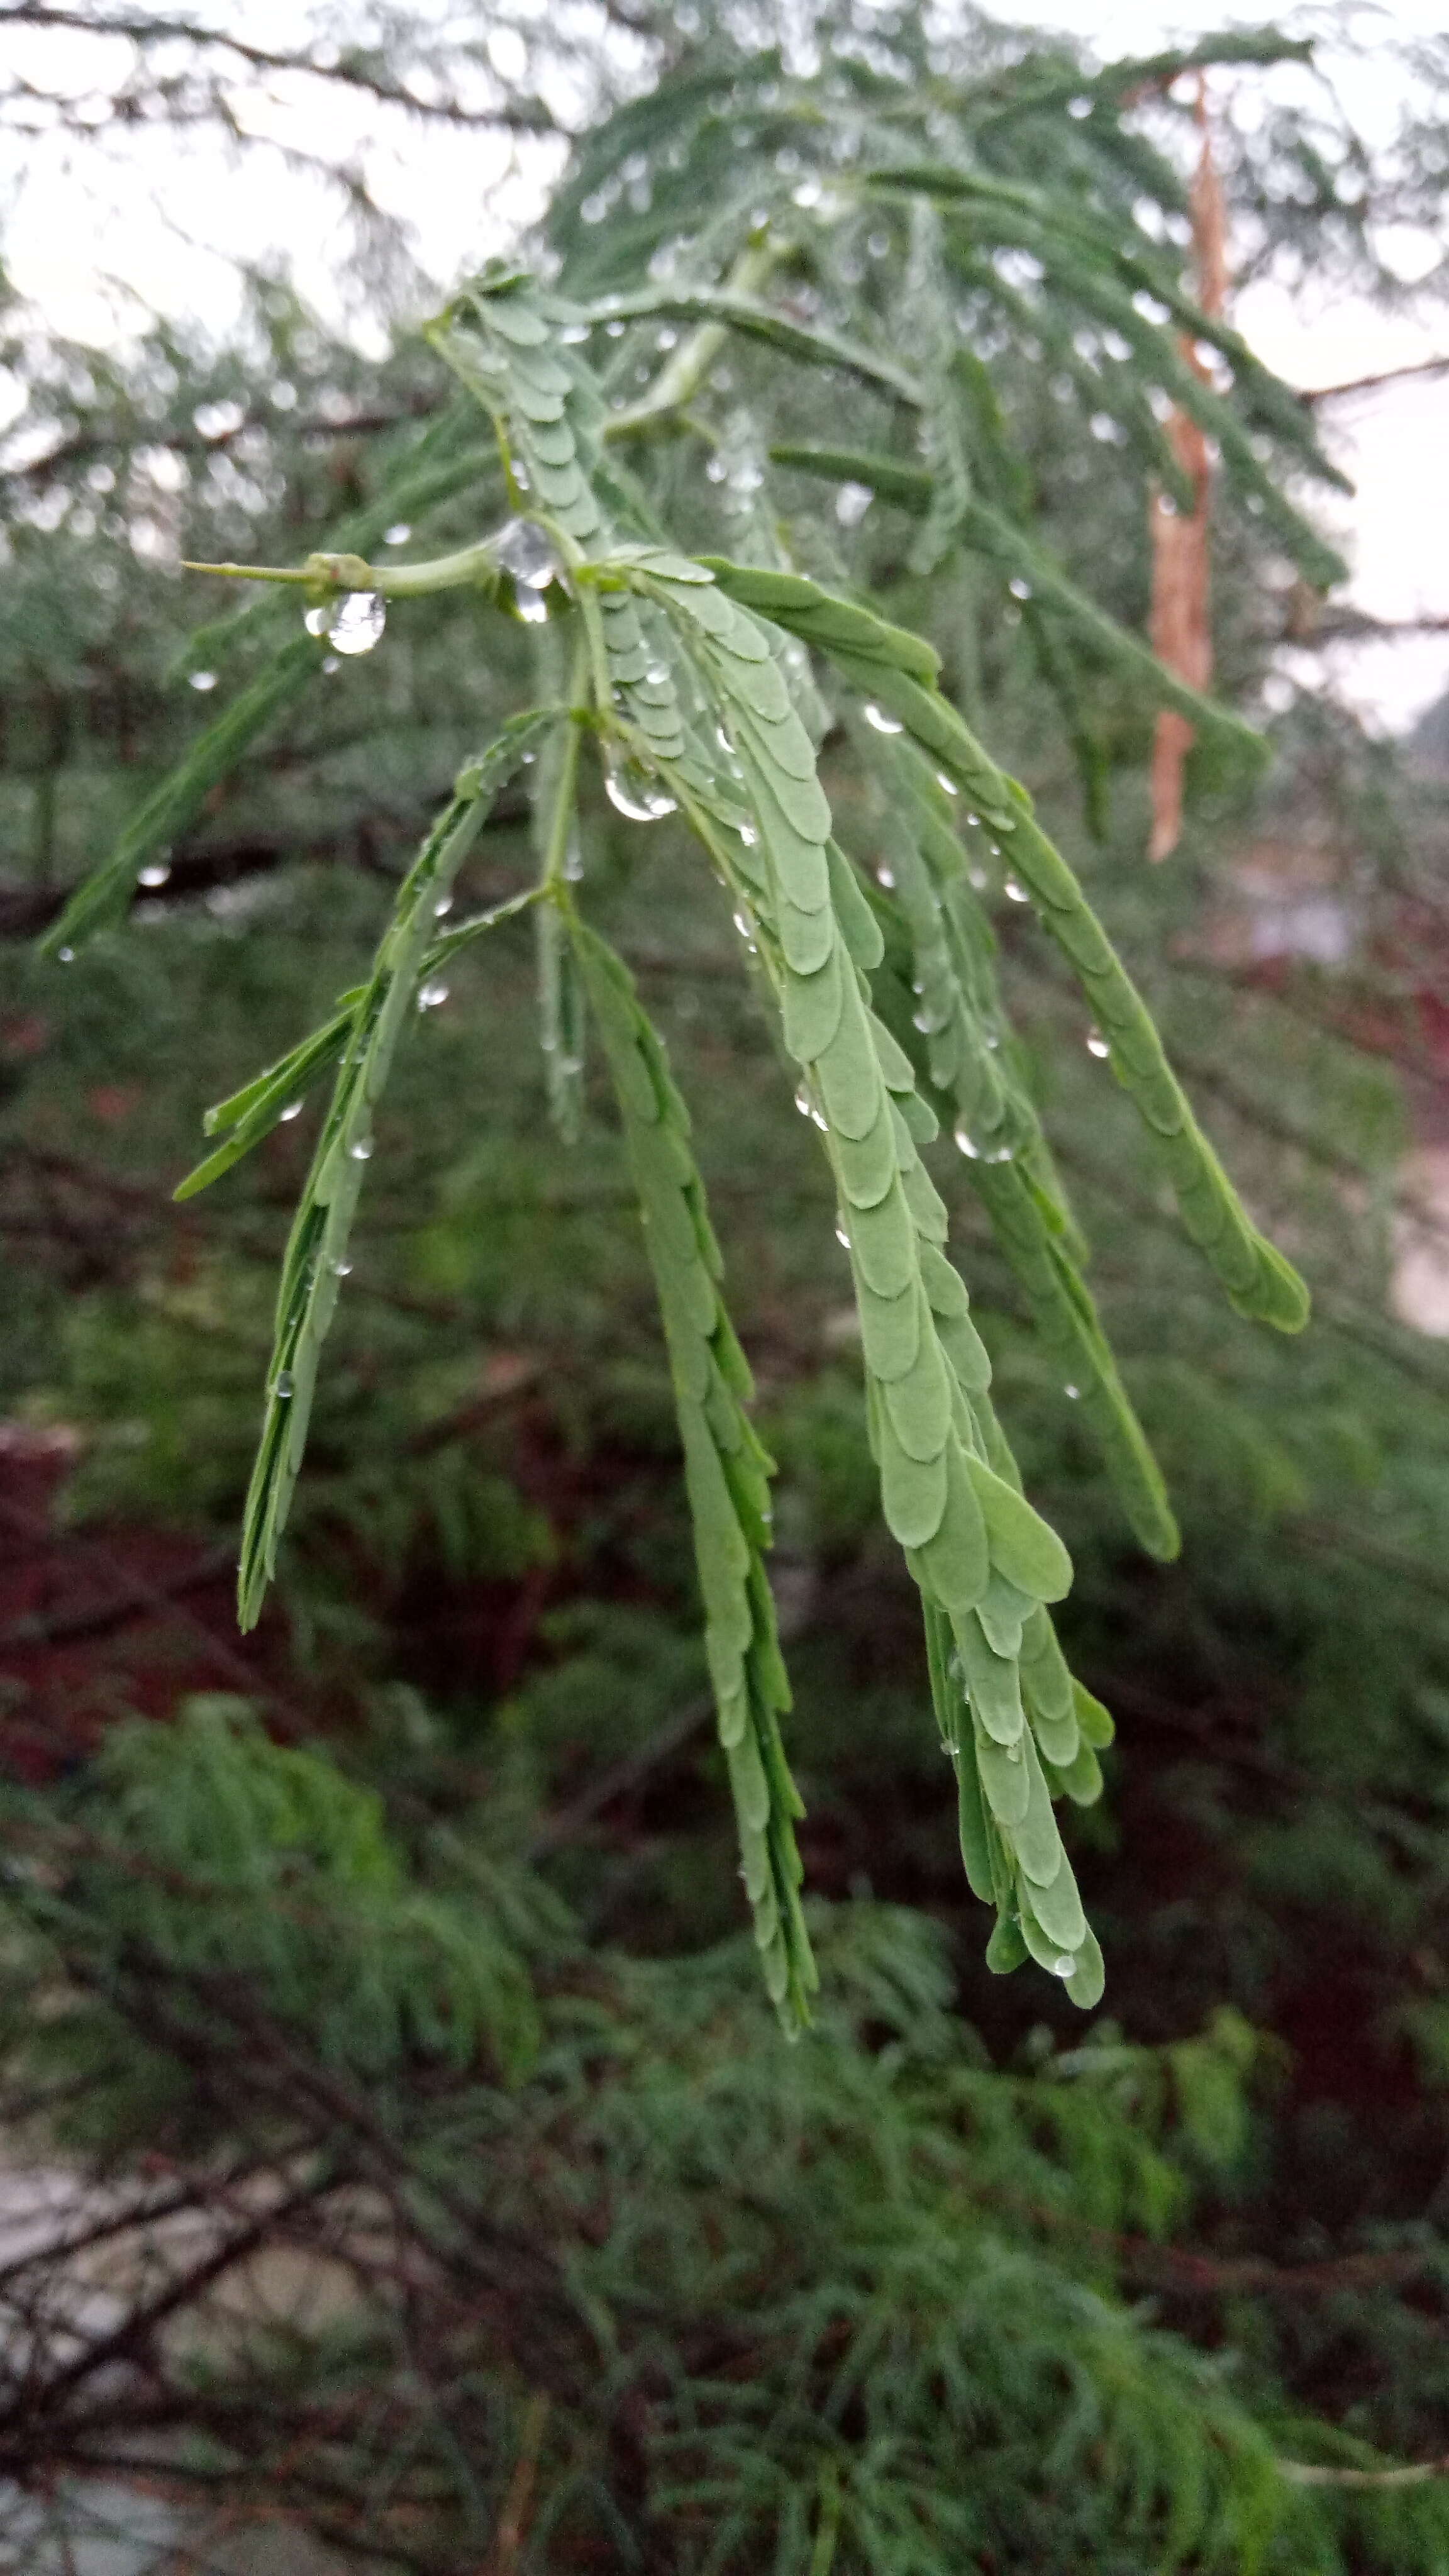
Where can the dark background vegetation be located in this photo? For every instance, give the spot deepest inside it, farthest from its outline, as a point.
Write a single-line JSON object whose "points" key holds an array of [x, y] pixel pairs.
{"points": [[576, 2265]]}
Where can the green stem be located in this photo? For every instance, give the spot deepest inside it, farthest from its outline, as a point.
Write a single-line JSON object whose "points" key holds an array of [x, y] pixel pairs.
{"points": [[679, 381], [322, 573]]}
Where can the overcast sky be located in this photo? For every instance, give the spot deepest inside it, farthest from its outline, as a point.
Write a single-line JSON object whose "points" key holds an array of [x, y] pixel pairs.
{"points": [[74, 237]]}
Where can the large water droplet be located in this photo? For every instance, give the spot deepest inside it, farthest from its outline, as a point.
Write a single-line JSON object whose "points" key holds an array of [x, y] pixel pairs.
{"points": [[284, 1385], [524, 549], [886, 877], [530, 607], [65, 956], [202, 679], [315, 619], [443, 904], [1015, 891], [154, 876], [341, 1269], [632, 791], [883, 723], [361, 1149], [1096, 1043], [397, 535], [1064, 1966], [1073, 1393], [1019, 589], [431, 996], [357, 621]]}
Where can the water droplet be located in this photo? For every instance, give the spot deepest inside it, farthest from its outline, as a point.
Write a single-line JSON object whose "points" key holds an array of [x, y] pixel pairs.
{"points": [[1073, 1393], [744, 925], [330, 665], [1013, 1752], [155, 876], [431, 996], [949, 784], [573, 866], [979, 879], [842, 1237], [656, 673], [444, 904], [807, 194], [530, 607], [804, 1103], [990, 1041], [1018, 588], [357, 621], [632, 791], [1002, 1154], [885, 877], [725, 744], [65, 956], [361, 1149], [398, 535], [292, 1110], [523, 480], [1096, 1043], [1064, 1966], [202, 679], [716, 469], [883, 723], [748, 835], [966, 1143], [315, 619], [341, 1269], [1015, 891], [523, 548], [973, 822], [284, 1385]]}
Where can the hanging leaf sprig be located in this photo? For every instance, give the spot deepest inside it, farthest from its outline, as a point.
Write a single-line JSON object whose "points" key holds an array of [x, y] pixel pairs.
{"points": [[703, 685]]}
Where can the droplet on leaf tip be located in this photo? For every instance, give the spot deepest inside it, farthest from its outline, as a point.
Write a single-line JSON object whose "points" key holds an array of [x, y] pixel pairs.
{"points": [[1097, 1044], [431, 996]]}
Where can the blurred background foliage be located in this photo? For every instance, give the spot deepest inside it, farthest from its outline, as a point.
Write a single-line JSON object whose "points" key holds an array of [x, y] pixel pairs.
{"points": [[401, 1943]]}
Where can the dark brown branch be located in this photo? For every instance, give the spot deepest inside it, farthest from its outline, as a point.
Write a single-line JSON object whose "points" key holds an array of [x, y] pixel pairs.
{"points": [[1369, 384], [529, 117]]}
